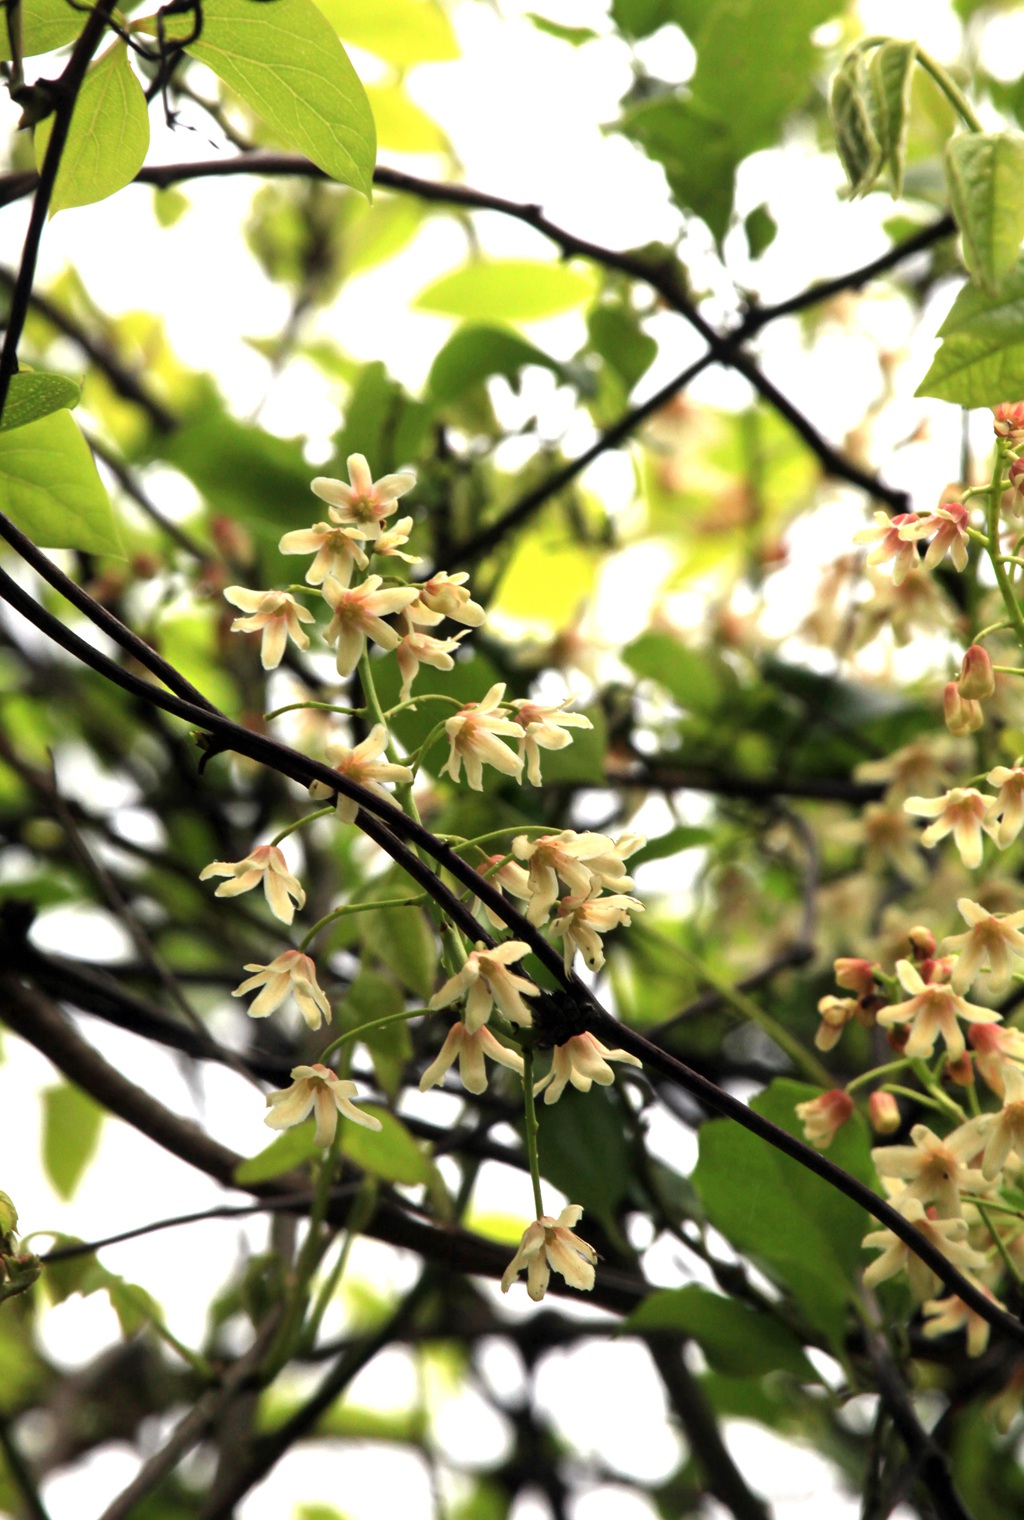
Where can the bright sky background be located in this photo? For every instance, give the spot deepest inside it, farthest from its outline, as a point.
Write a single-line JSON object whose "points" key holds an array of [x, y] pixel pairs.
{"points": [[525, 115]]}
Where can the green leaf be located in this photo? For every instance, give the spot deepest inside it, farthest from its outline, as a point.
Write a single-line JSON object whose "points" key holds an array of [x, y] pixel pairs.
{"points": [[980, 361], [736, 1339], [373, 996], [791, 1223], [133, 1306], [696, 150], [574, 35], [45, 25], [285, 61], [698, 682], [400, 937], [583, 1149], [292, 1148], [851, 121], [50, 488], [402, 32], [32, 396], [890, 73], [616, 334], [518, 290], [760, 228], [473, 354], [684, 837], [71, 1134], [108, 138], [402, 125], [390, 1153], [985, 172]]}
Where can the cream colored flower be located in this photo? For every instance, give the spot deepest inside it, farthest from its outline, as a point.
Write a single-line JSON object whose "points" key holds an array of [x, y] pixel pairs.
{"points": [[544, 728], [890, 543], [363, 503], [933, 1009], [487, 979], [550, 1243], [962, 811], [570, 857], [277, 613], [992, 938], [582, 1060], [316, 1089], [947, 1235], [945, 1316], [994, 1047], [448, 596], [363, 765], [823, 1117], [580, 922], [469, 1048], [290, 974], [950, 524], [389, 543], [1007, 810], [416, 649], [510, 877], [934, 1170], [1004, 1132], [337, 550], [358, 615], [473, 739], [265, 864], [835, 1013], [917, 767]]}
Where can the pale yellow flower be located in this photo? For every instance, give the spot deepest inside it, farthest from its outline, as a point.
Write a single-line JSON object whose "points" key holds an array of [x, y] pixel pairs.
{"points": [[947, 1235], [934, 1170], [890, 544], [265, 864], [1007, 810], [550, 1243], [949, 524], [581, 921], [469, 1047], [363, 765], [337, 550], [945, 1316], [823, 1117], [994, 1047], [364, 503], [835, 1013], [318, 1090], [473, 740], [358, 615], [487, 979], [992, 938], [582, 1060], [1004, 1132], [290, 974], [416, 649], [510, 877], [544, 728], [277, 614], [389, 542], [961, 812], [933, 1009], [448, 596], [584, 862]]}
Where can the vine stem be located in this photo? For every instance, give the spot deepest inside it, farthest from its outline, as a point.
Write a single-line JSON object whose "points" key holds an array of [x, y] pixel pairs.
{"points": [[389, 1018], [531, 1126], [347, 909]]}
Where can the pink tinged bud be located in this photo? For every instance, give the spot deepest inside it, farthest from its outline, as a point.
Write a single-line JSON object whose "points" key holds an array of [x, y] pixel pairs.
{"points": [[963, 714], [961, 1071], [1008, 420], [856, 975], [922, 942], [884, 1113], [823, 1117], [977, 680]]}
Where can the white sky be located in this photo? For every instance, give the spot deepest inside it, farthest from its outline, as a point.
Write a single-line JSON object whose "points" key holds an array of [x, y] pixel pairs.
{"points": [[525, 115]]}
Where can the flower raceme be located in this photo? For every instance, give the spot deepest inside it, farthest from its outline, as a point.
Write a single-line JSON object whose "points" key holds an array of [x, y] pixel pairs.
{"points": [[363, 765], [550, 1244], [584, 862], [265, 864], [318, 1090], [992, 938], [274, 613], [582, 1060], [544, 728], [290, 974], [949, 524], [358, 615], [487, 980]]}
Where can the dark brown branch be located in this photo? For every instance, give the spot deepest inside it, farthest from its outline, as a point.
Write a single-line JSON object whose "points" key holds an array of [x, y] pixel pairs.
{"points": [[657, 775]]}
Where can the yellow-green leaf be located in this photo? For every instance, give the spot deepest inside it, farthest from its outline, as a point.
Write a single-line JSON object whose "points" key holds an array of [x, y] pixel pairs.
{"points": [[511, 290], [890, 73], [289, 1149], [402, 125], [32, 396], [108, 138], [286, 62], [402, 32], [390, 1153], [985, 171], [45, 25], [980, 361], [49, 487], [71, 1134]]}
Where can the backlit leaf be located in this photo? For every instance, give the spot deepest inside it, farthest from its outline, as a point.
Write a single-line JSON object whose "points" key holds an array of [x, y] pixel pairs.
{"points": [[736, 1339], [980, 360], [108, 138], [985, 172], [890, 73], [473, 354], [402, 32], [50, 488], [31, 396], [515, 290], [45, 25], [71, 1133]]}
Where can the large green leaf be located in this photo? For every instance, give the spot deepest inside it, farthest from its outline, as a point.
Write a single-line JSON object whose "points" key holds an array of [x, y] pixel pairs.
{"points": [[695, 147], [289, 1149], [45, 25], [985, 171], [50, 488], [736, 1339], [980, 361], [31, 396], [697, 681], [108, 138], [390, 1153], [474, 353], [801, 1231], [400, 937], [402, 32], [285, 61], [583, 1149], [514, 290], [71, 1133]]}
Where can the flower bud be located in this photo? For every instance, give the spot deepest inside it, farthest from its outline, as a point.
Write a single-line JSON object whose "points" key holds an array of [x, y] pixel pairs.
{"points": [[856, 975], [922, 942], [822, 1117], [963, 715], [976, 678], [1008, 420], [961, 1071], [884, 1113], [937, 968]]}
